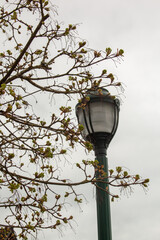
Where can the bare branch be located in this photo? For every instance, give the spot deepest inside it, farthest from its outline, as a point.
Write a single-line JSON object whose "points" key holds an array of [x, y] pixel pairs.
{"points": [[3, 80]]}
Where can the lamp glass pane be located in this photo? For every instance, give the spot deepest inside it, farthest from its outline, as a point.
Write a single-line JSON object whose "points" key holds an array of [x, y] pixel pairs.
{"points": [[81, 120], [102, 116]]}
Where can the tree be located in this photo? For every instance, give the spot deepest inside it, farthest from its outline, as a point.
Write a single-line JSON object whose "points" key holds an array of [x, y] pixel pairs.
{"points": [[40, 57]]}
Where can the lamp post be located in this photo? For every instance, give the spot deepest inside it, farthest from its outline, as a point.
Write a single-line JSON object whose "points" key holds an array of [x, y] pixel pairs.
{"points": [[100, 117]]}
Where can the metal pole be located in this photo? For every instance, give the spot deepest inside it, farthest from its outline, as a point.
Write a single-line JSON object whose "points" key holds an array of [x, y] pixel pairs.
{"points": [[103, 199]]}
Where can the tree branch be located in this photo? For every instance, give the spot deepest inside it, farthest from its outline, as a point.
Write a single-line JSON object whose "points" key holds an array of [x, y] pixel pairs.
{"points": [[24, 50], [4, 170]]}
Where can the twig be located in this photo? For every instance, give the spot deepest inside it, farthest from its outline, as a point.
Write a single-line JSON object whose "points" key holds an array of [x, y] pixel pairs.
{"points": [[24, 50]]}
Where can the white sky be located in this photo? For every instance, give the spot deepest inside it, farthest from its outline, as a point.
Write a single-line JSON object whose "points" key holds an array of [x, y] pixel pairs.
{"points": [[134, 27]]}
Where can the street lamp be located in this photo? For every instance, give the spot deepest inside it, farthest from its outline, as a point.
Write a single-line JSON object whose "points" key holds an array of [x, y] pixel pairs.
{"points": [[99, 114]]}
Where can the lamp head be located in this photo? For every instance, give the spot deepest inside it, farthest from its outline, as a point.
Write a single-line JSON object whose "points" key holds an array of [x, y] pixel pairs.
{"points": [[99, 114]]}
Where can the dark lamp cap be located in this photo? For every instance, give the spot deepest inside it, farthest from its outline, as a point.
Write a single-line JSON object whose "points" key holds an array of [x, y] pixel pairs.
{"points": [[101, 94]]}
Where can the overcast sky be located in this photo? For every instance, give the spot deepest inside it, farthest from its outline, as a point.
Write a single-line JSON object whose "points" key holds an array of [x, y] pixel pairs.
{"points": [[134, 27]]}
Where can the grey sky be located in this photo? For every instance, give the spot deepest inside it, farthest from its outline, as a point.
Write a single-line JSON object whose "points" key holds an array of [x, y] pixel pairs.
{"points": [[134, 27]]}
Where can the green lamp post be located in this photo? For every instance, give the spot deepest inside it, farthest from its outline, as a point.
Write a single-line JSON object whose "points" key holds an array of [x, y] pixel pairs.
{"points": [[100, 120]]}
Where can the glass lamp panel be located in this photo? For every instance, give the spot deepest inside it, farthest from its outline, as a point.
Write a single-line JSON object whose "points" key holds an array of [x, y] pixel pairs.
{"points": [[102, 116], [81, 120]]}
